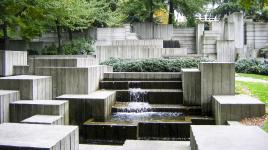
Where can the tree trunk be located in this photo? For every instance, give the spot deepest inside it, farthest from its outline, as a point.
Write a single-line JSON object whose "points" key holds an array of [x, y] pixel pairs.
{"points": [[6, 40], [59, 37], [70, 35], [171, 12]]}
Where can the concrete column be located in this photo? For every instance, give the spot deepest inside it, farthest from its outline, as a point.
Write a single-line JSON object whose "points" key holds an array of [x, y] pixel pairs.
{"points": [[216, 79], [238, 20], [199, 33], [225, 51]]}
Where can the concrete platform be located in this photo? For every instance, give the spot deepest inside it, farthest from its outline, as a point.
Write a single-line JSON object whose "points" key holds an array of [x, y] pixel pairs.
{"points": [[7, 97], [31, 87], [99, 147], [156, 145], [24, 109], [15, 136], [228, 138], [236, 108], [82, 107], [44, 119]]}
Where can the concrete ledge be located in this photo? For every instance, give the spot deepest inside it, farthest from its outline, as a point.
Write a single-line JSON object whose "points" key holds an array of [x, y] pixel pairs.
{"points": [[191, 85], [8, 59], [228, 138], [38, 137], [137, 76], [70, 80], [155, 145], [7, 97], [30, 87], [236, 108], [97, 105], [44, 119], [24, 109]]}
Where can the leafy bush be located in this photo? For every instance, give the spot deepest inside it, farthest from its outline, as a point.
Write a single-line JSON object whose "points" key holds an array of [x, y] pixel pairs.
{"points": [[153, 65], [263, 15], [227, 8], [251, 66], [76, 47]]}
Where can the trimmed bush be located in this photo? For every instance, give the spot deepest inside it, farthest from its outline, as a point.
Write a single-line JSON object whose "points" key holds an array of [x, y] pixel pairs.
{"points": [[251, 66], [153, 65]]}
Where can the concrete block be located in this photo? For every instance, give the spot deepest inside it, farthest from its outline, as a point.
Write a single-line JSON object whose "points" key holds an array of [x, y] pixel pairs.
{"points": [[38, 137], [236, 108], [228, 138], [8, 59], [44, 119], [69, 80], [7, 97], [97, 105], [31, 87], [217, 78], [24, 109], [191, 85], [22, 70], [226, 51]]}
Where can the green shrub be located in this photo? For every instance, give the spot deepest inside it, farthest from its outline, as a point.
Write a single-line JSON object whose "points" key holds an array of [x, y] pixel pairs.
{"points": [[76, 47], [251, 66], [153, 65]]}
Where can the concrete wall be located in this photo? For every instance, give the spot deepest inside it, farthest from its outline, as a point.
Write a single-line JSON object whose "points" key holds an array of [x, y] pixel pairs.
{"points": [[153, 31], [153, 43], [191, 85], [226, 51], [186, 37], [216, 79], [7, 97], [69, 80], [9, 59], [133, 52]]}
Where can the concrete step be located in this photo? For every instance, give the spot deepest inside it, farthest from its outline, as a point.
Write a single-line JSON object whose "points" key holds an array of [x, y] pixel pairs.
{"points": [[156, 145], [142, 76], [44, 119], [38, 137], [24, 109], [99, 147], [141, 84], [130, 107], [31, 87], [152, 96]]}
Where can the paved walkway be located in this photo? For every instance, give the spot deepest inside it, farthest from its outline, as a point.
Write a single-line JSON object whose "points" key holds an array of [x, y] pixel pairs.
{"points": [[248, 79]]}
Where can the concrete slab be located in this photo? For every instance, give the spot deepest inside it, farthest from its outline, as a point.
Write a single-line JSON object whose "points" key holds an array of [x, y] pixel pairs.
{"points": [[38, 137], [236, 108], [44, 119], [24, 109], [228, 138], [156, 145], [31, 87], [7, 97], [99, 147]]}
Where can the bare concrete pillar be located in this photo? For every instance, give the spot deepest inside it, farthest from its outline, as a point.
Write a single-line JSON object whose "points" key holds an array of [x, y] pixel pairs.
{"points": [[217, 78], [199, 33], [226, 51]]}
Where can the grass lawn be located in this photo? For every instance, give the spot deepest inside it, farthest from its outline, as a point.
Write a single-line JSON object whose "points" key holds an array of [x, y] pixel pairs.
{"points": [[259, 90]]}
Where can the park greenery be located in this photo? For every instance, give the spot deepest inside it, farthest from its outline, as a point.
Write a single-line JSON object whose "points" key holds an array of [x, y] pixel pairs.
{"points": [[28, 19], [252, 66]]}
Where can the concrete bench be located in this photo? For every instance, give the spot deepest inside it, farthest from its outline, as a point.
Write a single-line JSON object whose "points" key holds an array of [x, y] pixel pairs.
{"points": [[236, 108], [38, 137], [97, 105], [23, 109], [30, 87], [221, 137], [7, 97], [44, 119]]}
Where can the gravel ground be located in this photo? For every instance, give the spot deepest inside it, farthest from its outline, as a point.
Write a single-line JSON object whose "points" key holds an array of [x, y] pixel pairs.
{"points": [[255, 121]]}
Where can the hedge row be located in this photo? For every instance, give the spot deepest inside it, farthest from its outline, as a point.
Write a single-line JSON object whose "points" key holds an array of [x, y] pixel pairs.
{"points": [[253, 66], [153, 65]]}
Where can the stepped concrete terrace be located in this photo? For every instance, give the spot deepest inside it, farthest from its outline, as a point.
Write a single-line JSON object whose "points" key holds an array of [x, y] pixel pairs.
{"points": [[141, 111], [31, 87], [15, 136], [24, 109]]}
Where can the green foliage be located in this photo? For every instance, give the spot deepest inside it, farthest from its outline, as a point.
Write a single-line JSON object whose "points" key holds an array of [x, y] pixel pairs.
{"points": [[75, 47], [251, 66], [227, 8], [152, 65], [263, 15]]}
